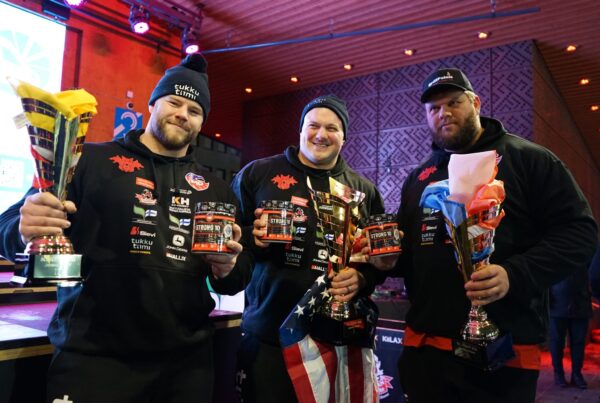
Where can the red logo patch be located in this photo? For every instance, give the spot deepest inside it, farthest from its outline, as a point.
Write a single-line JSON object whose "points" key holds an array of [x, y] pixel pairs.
{"points": [[196, 181], [284, 182], [426, 172], [126, 164]]}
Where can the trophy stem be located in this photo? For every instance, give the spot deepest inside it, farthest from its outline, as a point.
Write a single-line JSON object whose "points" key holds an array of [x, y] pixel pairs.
{"points": [[479, 329]]}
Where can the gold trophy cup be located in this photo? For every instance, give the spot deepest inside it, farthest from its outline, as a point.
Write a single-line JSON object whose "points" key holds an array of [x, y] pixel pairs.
{"points": [[337, 217], [56, 124]]}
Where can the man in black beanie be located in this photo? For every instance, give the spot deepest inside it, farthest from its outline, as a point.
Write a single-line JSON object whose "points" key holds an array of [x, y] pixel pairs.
{"points": [[283, 272], [137, 329]]}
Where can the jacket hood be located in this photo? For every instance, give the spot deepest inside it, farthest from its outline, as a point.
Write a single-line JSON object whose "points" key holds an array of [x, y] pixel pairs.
{"points": [[291, 154], [492, 130], [176, 165]]}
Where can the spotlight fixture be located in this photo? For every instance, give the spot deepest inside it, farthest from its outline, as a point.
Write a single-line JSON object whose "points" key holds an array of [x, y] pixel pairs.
{"points": [[348, 66], [189, 40], [248, 90], [217, 135], [294, 79], [584, 81], [410, 52], [139, 18], [483, 34], [571, 48], [75, 3], [594, 108]]}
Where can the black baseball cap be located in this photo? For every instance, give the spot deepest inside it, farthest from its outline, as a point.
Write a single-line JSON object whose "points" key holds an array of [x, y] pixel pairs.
{"points": [[445, 79]]}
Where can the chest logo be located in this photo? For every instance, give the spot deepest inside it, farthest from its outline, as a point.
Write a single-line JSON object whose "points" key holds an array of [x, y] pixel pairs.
{"points": [[196, 181], [425, 173], [284, 182], [126, 164]]}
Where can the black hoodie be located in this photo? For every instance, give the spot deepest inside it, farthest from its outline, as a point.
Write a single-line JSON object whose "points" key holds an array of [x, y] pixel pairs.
{"points": [[282, 274], [548, 233], [144, 292]]}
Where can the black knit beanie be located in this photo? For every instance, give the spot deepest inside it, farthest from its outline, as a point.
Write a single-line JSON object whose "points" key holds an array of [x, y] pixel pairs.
{"points": [[337, 105], [188, 79]]}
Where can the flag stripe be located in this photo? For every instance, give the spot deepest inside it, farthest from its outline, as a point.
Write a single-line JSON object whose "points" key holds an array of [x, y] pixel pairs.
{"points": [[316, 369], [356, 377], [329, 357], [293, 360]]}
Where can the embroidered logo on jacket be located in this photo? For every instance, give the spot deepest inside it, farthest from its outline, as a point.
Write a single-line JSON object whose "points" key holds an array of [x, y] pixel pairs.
{"points": [[284, 182], [196, 181], [126, 164], [426, 172], [146, 197]]}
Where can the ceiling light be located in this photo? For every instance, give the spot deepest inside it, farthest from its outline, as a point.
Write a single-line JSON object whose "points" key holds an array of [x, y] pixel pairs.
{"points": [[348, 66], [248, 90], [571, 48], [409, 52], [139, 18], [294, 79], [75, 3], [594, 108], [483, 34], [189, 41], [584, 81], [217, 135]]}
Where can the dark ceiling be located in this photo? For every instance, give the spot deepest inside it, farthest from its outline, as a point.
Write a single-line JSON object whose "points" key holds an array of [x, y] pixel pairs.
{"points": [[435, 28]]}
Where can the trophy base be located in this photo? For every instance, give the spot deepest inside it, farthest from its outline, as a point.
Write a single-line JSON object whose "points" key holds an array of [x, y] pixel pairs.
{"points": [[488, 357], [63, 270], [339, 333]]}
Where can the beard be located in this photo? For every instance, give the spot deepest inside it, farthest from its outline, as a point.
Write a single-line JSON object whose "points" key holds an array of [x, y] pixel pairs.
{"points": [[462, 139], [170, 137]]}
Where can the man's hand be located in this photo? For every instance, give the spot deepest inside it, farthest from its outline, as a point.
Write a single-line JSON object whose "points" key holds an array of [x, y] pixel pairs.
{"points": [[260, 228], [222, 264], [487, 284], [383, 263], [346, 284], [43, 214]]}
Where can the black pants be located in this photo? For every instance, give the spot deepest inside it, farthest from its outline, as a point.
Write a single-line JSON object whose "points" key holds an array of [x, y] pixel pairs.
{"points": [[577, 328], [182, 378], [261, 373], [429, 375]]}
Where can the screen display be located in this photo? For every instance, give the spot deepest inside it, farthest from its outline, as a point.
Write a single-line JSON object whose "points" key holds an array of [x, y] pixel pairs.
{"points": [[31, 49]]}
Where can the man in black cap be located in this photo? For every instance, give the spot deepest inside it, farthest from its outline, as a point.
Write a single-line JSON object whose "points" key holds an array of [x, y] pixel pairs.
{"points": [[548, 232], [284, 272], [137, 329]]}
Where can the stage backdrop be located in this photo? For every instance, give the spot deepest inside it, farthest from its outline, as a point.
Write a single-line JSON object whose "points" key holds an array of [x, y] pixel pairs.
{"points": [[388, 134]]}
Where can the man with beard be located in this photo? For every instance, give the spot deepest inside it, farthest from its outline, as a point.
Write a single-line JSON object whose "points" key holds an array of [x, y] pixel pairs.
{"points": [[548, 232], [137, 329]]}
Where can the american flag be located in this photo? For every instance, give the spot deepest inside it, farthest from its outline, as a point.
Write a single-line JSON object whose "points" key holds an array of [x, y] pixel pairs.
{"points": [[323, 372]]}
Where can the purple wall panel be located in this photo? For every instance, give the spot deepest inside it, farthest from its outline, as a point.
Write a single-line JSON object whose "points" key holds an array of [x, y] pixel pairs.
{"points": [[401, 108], [361, 149], [388, 135], [519, 123], [363, 114], [404, 145]]}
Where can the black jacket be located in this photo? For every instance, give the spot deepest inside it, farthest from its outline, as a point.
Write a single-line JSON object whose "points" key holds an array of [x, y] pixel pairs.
{"points": [[282, 274], [548, 233], [144, 292]]}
